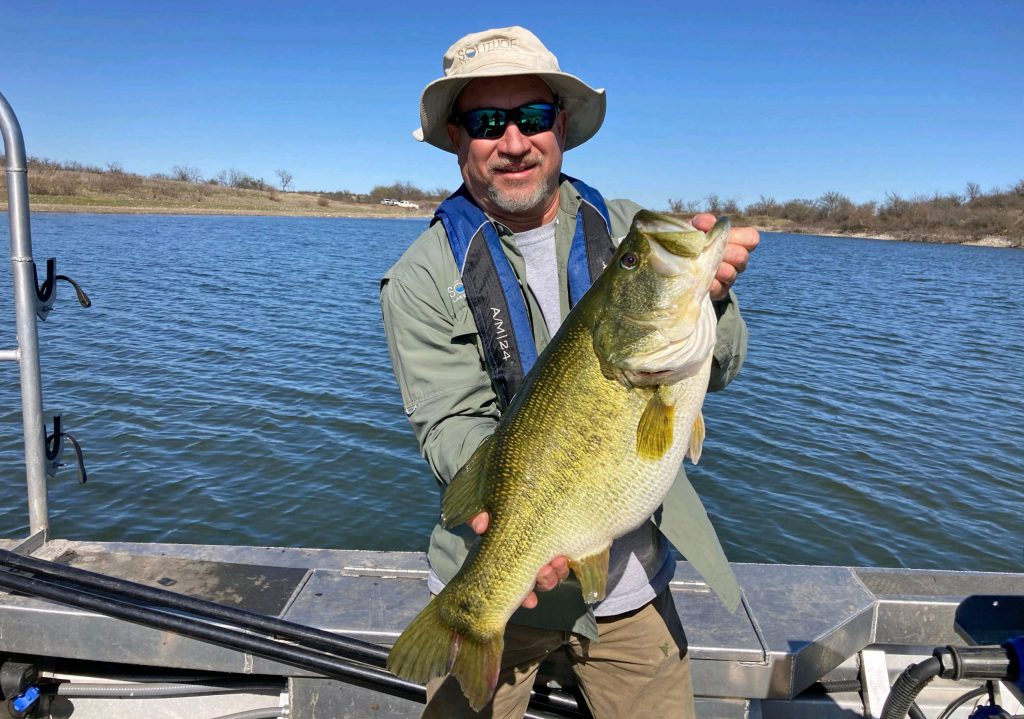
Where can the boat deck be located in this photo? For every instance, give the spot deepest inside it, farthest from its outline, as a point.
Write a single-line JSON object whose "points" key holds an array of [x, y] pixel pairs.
{"points": [[797, 625]]}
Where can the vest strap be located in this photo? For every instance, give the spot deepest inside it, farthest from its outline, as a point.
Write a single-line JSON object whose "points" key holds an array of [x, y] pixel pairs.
{"points": [[493, 292]]}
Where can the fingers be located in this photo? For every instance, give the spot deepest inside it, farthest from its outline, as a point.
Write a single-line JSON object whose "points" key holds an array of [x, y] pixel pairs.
{"points": [[480, 522], [552, 573], [704, 221], [742, 241], [719, 290], [746, 237], [549, 577], [736, 257]]}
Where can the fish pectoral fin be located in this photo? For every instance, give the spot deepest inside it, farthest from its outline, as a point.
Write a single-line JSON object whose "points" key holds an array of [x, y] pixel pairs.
{"points": [[464, 497], [654, 433], [592, 573], [697, 438]]}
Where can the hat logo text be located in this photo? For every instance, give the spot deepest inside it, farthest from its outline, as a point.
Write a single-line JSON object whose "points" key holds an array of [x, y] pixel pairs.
{"points": [[498, 43]]}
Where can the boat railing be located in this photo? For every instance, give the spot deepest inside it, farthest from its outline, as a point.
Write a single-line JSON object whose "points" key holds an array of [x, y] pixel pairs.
{"points": [[31, 302]]}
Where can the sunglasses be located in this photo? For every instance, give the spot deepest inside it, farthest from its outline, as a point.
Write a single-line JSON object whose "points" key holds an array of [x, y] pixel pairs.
{"points": [[489, 123]]}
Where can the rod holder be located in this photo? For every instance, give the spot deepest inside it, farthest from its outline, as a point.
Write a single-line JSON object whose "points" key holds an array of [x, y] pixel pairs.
{"points": [[55, 450], [46, 293]]}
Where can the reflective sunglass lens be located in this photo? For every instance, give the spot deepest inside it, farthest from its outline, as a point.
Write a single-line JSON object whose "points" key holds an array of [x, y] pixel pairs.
{"points": [[485, 123], [535, 118], [490, 123]]}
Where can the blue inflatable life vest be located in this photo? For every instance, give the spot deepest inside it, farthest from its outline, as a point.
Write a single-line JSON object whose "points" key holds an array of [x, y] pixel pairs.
{"points": [[492, 288]]}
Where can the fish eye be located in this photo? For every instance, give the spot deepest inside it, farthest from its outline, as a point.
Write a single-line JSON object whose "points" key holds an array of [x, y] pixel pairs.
{"points": [[629, 261]]}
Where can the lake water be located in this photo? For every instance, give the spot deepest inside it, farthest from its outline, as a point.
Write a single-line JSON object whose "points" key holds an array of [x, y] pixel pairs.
{"points": [[231, 385]]}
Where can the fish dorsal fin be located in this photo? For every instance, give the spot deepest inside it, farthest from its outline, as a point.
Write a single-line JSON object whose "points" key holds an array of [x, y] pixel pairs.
{"points": [[592, 573], [654, 433], [464, 497], [697, 438]]}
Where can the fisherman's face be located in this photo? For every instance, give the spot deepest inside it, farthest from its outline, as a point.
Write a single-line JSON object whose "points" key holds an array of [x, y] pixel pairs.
{"points": [[514, 178]]}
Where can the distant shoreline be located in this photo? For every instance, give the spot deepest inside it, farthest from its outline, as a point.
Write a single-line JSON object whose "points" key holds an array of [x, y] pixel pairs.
{"points": [[990, 241], [49, 208], [370, 212]]}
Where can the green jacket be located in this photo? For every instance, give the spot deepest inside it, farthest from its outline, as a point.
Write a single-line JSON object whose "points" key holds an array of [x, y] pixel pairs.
{"points": [[452, 406]]}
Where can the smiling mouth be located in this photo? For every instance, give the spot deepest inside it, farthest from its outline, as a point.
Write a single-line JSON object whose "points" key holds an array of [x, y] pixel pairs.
{"points": [[513, 170]]}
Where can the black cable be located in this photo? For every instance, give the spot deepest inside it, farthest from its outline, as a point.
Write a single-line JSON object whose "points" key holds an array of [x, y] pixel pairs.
{"points": [[961, 700], [115, 597], [159, 618], [310, 636], [908, 685], [265, 713]]}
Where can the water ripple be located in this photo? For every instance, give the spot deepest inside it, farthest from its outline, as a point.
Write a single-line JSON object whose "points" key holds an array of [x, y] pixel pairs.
{"points": [[231, 384]]}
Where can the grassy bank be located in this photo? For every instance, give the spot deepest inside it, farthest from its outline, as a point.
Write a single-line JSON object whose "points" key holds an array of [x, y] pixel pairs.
{"points": [[70, 187], [995, 218]]}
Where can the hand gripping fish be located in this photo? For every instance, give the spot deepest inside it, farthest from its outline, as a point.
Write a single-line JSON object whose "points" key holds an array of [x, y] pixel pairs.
{"points": [[586, 451]]}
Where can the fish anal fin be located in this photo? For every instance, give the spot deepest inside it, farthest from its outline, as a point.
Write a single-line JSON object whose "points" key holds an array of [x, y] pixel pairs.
{"points": [[697, 438], [464, 497], [655, 430], [592, 573]]}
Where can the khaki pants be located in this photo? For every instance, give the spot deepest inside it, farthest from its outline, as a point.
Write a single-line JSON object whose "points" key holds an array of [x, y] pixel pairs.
{"points": [[640, 667]]}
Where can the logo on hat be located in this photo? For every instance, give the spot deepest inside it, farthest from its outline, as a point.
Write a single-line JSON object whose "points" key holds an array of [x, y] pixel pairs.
{"points": [[498, 43]]}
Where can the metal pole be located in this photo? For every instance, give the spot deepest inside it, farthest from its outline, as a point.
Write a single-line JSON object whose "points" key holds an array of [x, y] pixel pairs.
{"points": [[82, 579], [25, 312]]}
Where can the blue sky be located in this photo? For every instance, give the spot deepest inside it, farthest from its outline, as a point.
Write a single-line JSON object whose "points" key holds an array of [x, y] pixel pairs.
{"points": [[740, 99]]}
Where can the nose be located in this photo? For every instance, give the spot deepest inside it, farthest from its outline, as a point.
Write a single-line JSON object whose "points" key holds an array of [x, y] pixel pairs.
{"points": [[513, 142]]}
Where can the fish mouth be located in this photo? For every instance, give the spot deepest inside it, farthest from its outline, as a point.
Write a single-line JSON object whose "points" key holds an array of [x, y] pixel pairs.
{"points": [[640, 378], [675, 359], [669, 322], [666, 262]]}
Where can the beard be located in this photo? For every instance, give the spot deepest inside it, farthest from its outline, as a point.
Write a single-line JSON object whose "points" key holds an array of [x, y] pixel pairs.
{"points": [[521, 198]]}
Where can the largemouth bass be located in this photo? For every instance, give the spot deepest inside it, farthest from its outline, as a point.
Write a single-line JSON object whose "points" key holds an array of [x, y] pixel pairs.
{"points": [[586, 451]]}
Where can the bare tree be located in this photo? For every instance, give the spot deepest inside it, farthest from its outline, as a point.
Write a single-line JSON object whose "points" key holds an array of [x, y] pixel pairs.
{"points": [[285, 177], [832, 203], [683, 207], [183, 173], [714, 204], [764, 206], [973, 191]]}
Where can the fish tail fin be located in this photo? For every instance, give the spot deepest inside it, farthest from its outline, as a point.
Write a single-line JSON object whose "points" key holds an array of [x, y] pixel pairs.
{"points": [[423, 650], [476, 666], [430, 648]]}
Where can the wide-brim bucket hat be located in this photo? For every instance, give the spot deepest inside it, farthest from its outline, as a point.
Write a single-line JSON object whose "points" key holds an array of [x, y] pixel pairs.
{"points": [[502, 52]]}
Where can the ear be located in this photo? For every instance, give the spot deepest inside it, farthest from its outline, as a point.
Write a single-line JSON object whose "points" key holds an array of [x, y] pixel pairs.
{"points": [[562, 123], [455, 135]]}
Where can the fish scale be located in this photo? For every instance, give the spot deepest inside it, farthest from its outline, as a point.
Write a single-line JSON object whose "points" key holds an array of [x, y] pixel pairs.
{"points": [[586, 451]]}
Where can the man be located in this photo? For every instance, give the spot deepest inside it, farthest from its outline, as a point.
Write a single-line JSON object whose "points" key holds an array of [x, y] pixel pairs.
{"points": [[508, 112]]}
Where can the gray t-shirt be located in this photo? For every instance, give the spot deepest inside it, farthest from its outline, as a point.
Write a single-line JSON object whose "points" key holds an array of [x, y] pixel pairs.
{"points": [[538, 250]]}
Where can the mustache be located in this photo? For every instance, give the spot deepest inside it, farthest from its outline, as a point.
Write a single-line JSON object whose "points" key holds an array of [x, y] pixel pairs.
{"points": [[505, 165]]}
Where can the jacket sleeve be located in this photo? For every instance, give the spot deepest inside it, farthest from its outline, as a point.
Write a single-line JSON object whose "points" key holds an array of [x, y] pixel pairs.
{"points": [[447, 395], [730, 343]]}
